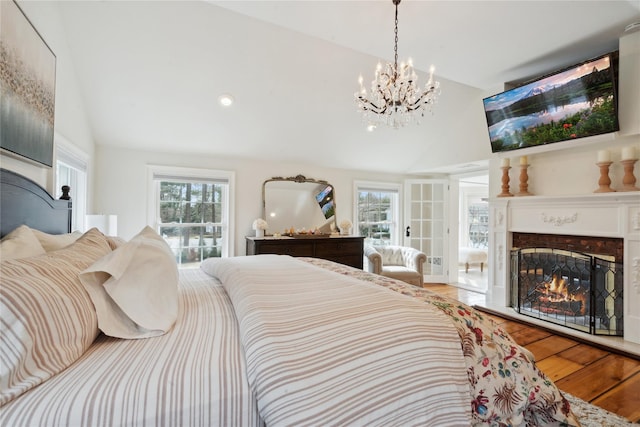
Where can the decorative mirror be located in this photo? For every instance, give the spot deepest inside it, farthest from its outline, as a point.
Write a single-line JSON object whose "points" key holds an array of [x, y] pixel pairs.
{"points": [[298, 202]]}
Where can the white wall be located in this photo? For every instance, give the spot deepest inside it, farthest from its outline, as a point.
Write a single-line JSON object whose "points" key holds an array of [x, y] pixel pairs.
{"points": [[121, 185]]}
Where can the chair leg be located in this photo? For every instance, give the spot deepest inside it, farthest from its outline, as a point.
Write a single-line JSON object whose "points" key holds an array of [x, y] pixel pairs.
{"points": [[481, 266], [466, 267]]}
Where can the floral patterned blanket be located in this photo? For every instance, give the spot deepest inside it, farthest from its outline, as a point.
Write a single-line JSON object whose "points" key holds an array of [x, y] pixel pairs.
{"points": [[506, 387]]}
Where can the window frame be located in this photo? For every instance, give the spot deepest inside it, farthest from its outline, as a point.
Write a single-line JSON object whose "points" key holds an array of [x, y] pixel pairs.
{"points": [[158, 173], [384, 187], [73, 158]]}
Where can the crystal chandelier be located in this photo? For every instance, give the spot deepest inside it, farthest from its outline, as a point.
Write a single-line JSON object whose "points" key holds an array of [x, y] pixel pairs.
{"points": [[395, 98]]}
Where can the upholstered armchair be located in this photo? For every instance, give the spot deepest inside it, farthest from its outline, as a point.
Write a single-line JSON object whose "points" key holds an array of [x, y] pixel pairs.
{"points": [[398, 262]]}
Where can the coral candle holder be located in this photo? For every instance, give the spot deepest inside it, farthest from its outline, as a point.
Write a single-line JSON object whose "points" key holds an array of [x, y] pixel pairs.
{"points": [[524, 184], [629, 180], [604, 182], [505, 182]]}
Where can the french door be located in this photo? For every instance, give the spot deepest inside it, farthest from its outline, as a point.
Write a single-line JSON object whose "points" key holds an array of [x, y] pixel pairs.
{"points": [[426, 224]]}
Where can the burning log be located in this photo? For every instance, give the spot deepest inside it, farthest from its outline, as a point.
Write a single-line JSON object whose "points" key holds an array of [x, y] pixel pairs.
{"points": [[554, 297]]}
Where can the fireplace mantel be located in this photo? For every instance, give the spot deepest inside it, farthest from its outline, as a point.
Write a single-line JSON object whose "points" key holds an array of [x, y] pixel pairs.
{"points": [[615, 214]]}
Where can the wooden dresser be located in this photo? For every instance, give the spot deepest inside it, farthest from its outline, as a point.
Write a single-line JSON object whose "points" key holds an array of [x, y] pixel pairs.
{"points": [[343, 249]]}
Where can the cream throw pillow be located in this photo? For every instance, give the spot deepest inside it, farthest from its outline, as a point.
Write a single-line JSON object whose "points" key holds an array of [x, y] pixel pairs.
{"points": [[53, 242], [135, 288], [20, 243]]}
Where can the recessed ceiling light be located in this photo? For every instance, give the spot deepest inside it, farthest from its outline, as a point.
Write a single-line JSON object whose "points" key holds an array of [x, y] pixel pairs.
{"points": [[225, 99], [371, 128]]}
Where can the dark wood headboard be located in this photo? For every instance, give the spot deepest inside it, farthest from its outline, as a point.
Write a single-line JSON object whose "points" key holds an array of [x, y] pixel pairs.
{"points": [[22, 201]]}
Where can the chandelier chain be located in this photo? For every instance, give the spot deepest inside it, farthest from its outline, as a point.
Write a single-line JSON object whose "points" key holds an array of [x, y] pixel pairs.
{"points": [[395, 45]]}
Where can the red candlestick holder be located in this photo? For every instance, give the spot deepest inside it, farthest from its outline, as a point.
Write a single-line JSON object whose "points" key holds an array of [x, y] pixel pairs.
{"points": [[629, 180], [604, 182], [524, 182], [505, 182]]}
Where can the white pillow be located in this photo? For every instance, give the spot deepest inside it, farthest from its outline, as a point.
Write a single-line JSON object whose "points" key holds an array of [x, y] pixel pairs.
{"points": [[20, 243], [135, 288], [53, 242]]}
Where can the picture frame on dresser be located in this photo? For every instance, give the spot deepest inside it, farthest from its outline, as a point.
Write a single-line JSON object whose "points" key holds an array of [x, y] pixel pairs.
{"points": [[27, 83]]}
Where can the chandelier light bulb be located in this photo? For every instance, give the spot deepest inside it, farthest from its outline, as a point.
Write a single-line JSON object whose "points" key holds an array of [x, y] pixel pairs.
{"points": [[396, 98]]}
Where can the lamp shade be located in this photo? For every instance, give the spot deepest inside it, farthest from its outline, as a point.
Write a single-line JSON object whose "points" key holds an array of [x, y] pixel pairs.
{"points": [[107, 224]]}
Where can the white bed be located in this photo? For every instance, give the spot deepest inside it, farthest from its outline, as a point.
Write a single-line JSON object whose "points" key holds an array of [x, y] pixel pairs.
{"points": [[255, 340]]}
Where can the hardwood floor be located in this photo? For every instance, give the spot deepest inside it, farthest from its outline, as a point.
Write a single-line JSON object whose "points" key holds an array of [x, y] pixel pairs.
{"points": [[605, 379]]}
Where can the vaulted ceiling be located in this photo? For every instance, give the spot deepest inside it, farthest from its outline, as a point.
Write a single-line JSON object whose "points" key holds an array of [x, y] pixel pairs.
{"points": [[151, 72]]}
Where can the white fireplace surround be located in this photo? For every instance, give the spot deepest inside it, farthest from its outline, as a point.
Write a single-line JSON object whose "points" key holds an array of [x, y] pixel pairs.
{"points": [[600, 215]]}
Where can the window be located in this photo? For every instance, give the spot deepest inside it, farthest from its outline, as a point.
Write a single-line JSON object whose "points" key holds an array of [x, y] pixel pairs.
{"points": [[191, 211], [377, 213], [478, 231], [474, 212], [71, 170]]}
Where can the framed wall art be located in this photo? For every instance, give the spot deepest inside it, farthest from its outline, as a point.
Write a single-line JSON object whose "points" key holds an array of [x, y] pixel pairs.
{"points": [[27, 84]]}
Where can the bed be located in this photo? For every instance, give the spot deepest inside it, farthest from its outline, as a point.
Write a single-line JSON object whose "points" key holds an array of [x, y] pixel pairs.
{"points": [[260, 340]]}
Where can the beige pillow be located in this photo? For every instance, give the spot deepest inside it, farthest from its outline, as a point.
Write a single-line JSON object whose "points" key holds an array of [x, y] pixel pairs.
{"points": [[115, 242], [53, 242], [48, 319], [20, 243], [135, 288]]}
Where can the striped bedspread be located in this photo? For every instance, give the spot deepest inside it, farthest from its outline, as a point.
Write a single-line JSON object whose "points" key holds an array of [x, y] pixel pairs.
{"points": [[326, 349], [194, 375]]}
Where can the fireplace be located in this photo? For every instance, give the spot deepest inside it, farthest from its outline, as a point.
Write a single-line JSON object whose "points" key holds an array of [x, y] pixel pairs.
{"points": [[573, 289], [612, 221]]}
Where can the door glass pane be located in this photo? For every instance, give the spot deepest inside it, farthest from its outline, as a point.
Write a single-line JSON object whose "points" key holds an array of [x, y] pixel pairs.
{"points": [[438, 192], [427, 210], [438, 228], [426, 229], [438, 210], [416, 192], [427, 192]]}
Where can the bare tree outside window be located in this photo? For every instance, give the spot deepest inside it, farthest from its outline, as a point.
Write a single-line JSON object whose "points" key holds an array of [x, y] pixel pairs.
{"points": [[191, 219]]}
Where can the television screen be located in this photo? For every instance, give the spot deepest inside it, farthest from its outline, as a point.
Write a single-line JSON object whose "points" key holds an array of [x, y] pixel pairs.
{"points": [[574, 103], [325, 200]]}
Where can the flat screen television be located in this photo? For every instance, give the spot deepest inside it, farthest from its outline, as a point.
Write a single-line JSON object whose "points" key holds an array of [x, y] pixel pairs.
{"points": [[573, 103], [325, 200]]}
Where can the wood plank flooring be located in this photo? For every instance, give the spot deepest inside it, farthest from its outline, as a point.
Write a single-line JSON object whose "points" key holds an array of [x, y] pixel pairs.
{"points": [[605, 379]]}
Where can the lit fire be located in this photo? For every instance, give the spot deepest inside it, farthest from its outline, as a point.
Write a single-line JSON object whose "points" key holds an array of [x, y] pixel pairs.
{"points": [[556, 292]]}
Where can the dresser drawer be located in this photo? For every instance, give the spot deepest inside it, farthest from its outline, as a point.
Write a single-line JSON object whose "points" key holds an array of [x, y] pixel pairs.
{"points": [[338, 247], [344, 250], [288, 248]]}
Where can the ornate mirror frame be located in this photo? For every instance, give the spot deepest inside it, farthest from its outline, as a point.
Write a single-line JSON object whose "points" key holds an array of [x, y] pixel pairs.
{"points": [[304, 217]]}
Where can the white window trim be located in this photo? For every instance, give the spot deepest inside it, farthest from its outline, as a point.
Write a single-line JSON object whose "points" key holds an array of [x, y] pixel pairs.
{"points": [[72, 155], [381, 186], [68, 153], [195, 174]]}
